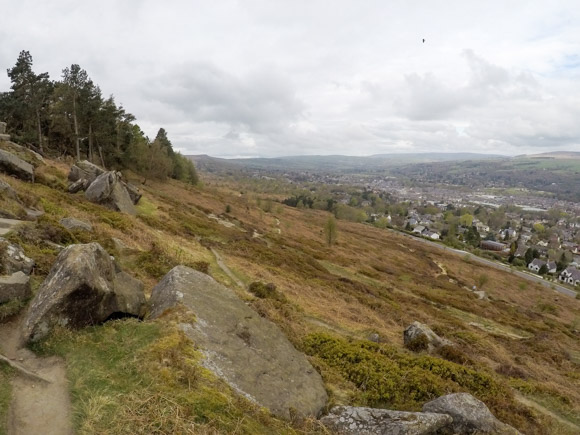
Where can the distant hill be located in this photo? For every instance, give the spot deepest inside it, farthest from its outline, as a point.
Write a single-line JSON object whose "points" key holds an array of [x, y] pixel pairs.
{"points": [[332, 162], [555, 155]]}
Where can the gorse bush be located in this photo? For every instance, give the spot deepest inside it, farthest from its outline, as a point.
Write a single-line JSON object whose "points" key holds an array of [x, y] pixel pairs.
{"points": [[386, 376]]}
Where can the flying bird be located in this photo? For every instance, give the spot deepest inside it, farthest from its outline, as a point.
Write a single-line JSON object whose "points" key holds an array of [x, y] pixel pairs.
{"points": [[423, 40]]}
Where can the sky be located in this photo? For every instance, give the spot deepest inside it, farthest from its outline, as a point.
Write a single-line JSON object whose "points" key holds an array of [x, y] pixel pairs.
{"points": [[275, 78]]}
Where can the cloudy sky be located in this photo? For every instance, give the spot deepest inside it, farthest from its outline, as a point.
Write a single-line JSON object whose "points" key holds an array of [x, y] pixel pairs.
{"points": [[272, 77]]}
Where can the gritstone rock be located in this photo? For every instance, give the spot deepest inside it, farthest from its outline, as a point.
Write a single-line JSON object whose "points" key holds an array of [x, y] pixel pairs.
{"points": [[249, 352], [470, 416], [417, 330], [75, 224], [108, 190], [15, 286], [370, 421], [13, 259], [81, 289], [13, 165]]}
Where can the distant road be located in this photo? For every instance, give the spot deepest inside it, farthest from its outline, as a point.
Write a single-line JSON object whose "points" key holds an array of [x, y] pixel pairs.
{"points": [[496, 265]]}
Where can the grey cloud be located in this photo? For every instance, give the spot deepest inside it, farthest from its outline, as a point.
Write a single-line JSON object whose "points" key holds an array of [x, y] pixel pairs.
{"points": [[262, 102]]}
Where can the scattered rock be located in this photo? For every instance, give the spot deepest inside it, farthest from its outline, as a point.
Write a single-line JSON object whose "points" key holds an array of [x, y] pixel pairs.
{"points": [[79, 185], [81, 289], [15, 286], [350, 420], [7, 191], [481, 295], [418, 333], [470, 416], [84, 170], [133, 191], [13, 165], [108, 190], [75, 224], [33, 214], [249, 352], [12, 259], [7, 225]]}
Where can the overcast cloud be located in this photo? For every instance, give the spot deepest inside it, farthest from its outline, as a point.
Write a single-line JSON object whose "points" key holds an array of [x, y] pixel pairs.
{"points": [[271, 78]]}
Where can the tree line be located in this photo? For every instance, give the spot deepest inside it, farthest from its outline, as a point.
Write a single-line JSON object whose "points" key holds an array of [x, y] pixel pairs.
{"points": [[70, 116]]}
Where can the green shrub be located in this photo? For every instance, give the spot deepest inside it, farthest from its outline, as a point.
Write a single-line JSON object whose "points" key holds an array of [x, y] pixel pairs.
{"points": [[386, 376], [418, 344], [265, 291]]}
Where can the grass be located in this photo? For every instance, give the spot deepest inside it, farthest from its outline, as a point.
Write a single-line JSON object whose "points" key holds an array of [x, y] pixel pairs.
{"points": [[5, 395], [132, 377]]}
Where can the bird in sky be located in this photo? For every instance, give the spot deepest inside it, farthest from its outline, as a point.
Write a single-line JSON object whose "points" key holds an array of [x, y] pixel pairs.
{"points": [[423, 40]]}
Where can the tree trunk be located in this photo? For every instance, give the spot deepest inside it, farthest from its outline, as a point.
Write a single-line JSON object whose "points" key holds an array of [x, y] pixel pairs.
{"points": [[77, 139], [39, 131], [90, 142]]}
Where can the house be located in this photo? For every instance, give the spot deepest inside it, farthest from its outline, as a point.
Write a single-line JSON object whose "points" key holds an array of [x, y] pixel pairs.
{"points": [[536, 265], [419, 229], [481, 227], [431, 234], [509, 233], [570, 275], [571, 246], [493, 246], [552, 266]]}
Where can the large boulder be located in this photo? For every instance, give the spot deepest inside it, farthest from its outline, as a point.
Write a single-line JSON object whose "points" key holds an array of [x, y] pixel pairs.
{"points": [[470, 416], [84, 170], [418, 336], [366, 421], [13, 165], [249, 352], [83, 288], [13, 259], [108, 190], [15, 286]]}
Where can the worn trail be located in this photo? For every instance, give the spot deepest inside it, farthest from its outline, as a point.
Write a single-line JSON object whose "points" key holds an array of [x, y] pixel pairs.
{"points": [[39, 405]]}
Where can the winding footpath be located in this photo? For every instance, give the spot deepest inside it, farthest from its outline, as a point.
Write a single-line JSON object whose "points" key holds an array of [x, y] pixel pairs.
{"points": [[38, 406]]}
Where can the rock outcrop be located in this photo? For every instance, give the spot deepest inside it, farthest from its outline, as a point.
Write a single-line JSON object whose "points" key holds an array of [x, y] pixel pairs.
{"points": [[84, 173], [15, 286], [370, 421], [75, 224], [470, 416], [417, 334], [13, 165], [83, 288], [84, 170], [108, 190], [241, 347]]}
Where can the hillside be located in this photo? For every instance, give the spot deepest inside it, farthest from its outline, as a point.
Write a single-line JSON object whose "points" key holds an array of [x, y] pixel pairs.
{"points": [[332, 163], [345, 306]]}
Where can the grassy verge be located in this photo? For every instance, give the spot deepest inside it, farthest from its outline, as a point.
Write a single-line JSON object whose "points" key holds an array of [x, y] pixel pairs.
{"points": [[132, 377]]}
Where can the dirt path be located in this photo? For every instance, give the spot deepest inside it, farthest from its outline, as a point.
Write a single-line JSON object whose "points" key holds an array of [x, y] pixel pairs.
{"points": [[226, 269], [37, 407]]}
